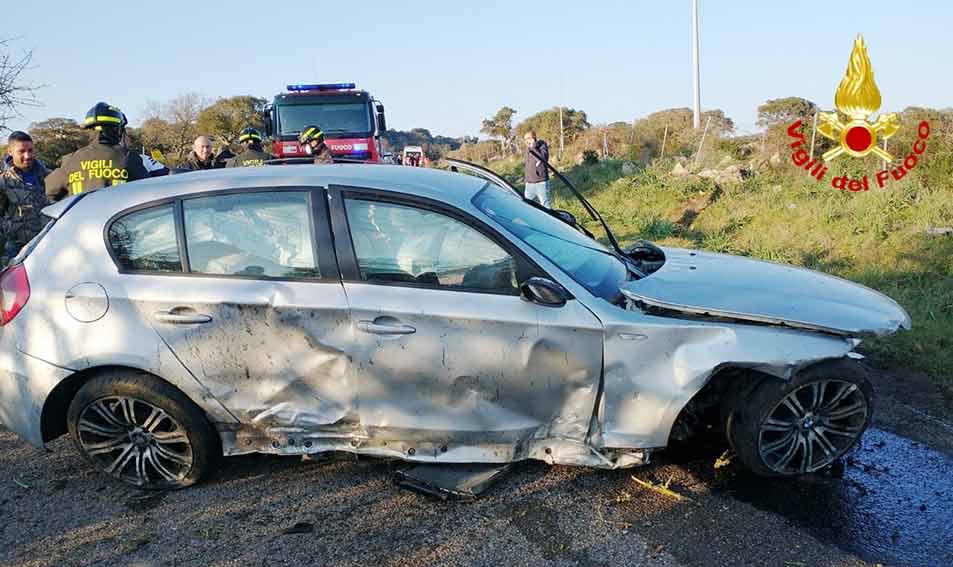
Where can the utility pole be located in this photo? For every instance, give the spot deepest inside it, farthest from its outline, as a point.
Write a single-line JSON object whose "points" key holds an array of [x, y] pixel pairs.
{"points": [[562, 134], [696, 116], [701, 144], [664, 139], [814, 133]]}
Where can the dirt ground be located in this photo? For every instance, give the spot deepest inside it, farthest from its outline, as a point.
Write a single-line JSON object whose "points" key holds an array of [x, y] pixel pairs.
{"points": [[891, 502]]}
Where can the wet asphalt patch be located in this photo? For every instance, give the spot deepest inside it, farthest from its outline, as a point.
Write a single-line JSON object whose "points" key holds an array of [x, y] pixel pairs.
{"points": [[891, 502]]}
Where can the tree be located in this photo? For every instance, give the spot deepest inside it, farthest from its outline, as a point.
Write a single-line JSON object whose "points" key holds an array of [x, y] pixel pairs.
{"points": [[434, 146], [500, 126], [227, 117], [13, 93], [546, 124], [673, 126], [777, 114], [155, 134], [784, 111], [172, 127], [56, 137]]}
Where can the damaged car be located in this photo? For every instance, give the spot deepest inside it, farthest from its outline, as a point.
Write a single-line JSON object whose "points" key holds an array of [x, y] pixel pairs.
{"points": [[415, 314]]}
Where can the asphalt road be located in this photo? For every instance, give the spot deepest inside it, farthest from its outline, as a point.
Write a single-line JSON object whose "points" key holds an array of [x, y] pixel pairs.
{"points": [[890, 503]]}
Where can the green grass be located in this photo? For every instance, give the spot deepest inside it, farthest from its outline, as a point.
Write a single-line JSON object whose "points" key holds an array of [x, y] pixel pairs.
{"points": [[875, 238]]}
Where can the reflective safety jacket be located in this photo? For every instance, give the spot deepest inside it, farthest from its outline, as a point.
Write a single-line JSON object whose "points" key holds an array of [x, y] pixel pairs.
{"points": [[249, 158], [323, 156], [94, 166]]}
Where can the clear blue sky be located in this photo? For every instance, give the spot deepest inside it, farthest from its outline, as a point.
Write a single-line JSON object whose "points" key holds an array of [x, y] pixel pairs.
{"points": [[445, 66]]}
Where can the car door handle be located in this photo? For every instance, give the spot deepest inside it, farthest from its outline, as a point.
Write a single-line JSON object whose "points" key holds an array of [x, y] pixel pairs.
{"points": [[379, 329], [180, 316]]}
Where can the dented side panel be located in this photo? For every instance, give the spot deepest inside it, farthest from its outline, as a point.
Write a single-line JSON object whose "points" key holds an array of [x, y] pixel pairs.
{"points": [[275, 354], [479, 368], [654, 366]]}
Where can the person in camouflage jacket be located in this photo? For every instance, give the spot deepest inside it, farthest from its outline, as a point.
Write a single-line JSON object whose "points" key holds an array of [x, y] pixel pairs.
{"points": [[20, 204]]}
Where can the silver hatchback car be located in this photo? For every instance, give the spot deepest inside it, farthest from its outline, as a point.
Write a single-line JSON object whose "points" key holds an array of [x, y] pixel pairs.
{"points": [[414, 314]]}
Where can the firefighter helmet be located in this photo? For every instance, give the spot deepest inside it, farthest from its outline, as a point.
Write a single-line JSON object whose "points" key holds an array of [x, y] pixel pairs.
{"points": [[310, 134], [249, 136], [102, 114]]}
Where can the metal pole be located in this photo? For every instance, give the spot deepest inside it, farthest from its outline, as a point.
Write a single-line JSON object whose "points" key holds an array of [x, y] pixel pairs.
{"points": [[813, 133], [696, 116], [605, 144], [702, 143], [562, 135], [664, 138]]}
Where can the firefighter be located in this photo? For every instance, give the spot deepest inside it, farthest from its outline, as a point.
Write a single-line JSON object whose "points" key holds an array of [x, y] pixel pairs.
{"points": [[105, 162], [253, 155], [311, 140]]}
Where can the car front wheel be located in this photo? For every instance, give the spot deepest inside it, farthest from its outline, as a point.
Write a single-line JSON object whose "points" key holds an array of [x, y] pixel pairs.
{"points": [[142, 431], [803, 425]]}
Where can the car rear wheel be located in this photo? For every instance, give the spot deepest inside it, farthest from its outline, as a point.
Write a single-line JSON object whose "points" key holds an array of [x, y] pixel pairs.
{"points": [[142, 431], [800, 426]]}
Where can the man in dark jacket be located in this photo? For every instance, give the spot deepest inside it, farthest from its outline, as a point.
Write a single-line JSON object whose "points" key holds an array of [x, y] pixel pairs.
{"points": [[105, 162], [537, 175], [21, 168], [311, 140], [21, 196], [201, 156], [254, 155]]}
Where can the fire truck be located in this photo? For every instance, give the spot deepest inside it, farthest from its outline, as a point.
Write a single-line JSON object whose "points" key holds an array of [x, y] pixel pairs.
{"points": [[352, 120]]}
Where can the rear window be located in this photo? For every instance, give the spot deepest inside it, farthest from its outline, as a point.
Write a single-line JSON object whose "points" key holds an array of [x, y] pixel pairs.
{"points": [[251, 234], [145, 241]]}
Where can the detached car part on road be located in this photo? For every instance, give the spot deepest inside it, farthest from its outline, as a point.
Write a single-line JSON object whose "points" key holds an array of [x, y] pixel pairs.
{"points": [[409, 313]]}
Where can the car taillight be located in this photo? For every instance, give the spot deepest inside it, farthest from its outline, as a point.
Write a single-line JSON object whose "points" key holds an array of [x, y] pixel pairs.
{"points": [[14, 293]]}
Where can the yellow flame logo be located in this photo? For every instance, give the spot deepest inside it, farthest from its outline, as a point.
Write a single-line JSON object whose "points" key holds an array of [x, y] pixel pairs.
{"points": [[857, 97]]}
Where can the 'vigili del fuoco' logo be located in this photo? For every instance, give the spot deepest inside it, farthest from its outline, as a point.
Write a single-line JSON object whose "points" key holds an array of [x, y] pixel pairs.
{"points": [[852, 128]]}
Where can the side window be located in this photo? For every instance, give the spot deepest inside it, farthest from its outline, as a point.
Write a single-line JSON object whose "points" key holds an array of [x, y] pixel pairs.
{"points": [[397, 243], [145, 241], [251, 234]]}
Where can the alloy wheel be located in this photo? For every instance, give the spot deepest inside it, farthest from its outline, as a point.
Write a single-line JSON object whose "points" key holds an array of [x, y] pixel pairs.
{"points": [[812, 426], [135, 441]]}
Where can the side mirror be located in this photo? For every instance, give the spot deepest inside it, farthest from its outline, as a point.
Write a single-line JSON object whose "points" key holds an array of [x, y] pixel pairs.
{"points": [[266, 119], [566, 217], [381, 121], [543, 292]]}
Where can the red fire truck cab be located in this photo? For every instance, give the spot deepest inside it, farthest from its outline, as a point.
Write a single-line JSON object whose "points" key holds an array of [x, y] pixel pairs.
{"points": [[352, 120]]}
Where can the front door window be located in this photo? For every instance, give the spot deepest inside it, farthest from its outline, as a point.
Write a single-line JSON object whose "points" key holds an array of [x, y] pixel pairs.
{"points": [[402, 244]]}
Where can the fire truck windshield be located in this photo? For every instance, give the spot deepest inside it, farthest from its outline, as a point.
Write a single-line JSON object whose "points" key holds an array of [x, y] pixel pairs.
{"points": [[352, 118]]}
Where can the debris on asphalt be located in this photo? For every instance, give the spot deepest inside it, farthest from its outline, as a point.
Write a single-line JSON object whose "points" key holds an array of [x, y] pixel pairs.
{"points": [[661, 488], [724, 459], [299, 528], [451, 481]]}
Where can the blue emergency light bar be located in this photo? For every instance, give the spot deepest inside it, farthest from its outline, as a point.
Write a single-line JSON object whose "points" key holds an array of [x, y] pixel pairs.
{"points": [[322, 87]]}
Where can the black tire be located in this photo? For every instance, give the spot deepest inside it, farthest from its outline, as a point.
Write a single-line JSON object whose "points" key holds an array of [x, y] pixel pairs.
{"points": [[142, 431], [775, 448]]}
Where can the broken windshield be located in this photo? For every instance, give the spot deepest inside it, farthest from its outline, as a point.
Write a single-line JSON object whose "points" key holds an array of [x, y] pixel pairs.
{"points": [[588, 262]]}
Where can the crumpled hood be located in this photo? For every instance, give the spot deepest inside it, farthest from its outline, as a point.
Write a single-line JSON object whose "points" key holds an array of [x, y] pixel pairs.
{"points": [[719, 285]]}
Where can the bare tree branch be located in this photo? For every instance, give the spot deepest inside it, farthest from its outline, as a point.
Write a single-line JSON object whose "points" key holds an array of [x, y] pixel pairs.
{"points": [[13, 93]]}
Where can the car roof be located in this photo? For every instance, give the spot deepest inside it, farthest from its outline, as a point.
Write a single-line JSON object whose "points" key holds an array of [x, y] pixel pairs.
{"points": [[452, 188]]}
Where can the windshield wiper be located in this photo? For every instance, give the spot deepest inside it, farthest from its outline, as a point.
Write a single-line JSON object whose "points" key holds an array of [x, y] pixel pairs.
{"points": [[629, 263]]}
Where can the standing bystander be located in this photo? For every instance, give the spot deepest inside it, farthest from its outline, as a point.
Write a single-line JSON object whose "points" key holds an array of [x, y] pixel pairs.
{"points": [[537, 175], [22, 196]]}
